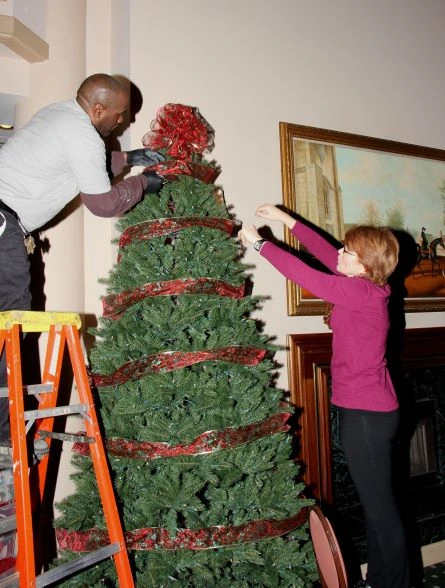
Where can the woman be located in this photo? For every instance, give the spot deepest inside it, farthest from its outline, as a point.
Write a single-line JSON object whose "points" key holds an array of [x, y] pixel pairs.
{"points": [[361, 386]]}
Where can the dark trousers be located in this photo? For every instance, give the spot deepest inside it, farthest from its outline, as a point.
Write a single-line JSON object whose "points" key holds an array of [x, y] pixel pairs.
{"points": [[14, 291], [367, 438]]}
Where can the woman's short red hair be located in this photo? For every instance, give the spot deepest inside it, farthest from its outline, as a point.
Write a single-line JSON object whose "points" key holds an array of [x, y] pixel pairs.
{"points": [[377, 248]]}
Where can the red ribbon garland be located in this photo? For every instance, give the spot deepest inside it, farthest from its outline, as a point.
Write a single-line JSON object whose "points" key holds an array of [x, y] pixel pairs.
{"points": [[116, 303], [171, 360], [155, 228], [207, 442], [159, 538], [181, 130], [177, 167]]}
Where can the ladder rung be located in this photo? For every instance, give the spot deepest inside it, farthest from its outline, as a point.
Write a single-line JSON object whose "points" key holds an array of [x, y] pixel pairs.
{"points": [[73, 437], [31, 389], [6, 450], [10, 581], [57, 411], [72, 567], [7, 524]]}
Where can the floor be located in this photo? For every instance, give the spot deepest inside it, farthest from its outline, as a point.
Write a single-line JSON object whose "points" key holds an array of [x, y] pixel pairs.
{"points": [[434, 576]]}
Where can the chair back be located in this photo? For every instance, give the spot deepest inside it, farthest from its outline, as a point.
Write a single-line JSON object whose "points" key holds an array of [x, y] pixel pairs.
{"points": [[330, 562]]}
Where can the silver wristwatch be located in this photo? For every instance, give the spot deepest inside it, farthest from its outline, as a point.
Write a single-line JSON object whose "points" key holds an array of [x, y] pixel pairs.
{"points": [[258, 244]]}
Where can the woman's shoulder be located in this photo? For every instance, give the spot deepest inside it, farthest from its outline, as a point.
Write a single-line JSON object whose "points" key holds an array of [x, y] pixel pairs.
{"points": [[360, 291], [368, 285]]}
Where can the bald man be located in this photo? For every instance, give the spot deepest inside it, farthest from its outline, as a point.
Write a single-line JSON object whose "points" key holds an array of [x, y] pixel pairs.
{"points": [[59, 154]]}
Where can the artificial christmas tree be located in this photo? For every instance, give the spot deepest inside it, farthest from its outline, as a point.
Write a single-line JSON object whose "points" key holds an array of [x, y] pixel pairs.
{"points": [[196, 432]]}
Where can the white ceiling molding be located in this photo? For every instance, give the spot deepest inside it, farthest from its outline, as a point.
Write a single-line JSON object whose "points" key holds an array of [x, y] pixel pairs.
{"points": [[17, 37]]}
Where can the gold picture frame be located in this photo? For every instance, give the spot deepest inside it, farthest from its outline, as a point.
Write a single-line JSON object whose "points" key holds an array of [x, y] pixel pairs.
{"points": [[319, 170]]}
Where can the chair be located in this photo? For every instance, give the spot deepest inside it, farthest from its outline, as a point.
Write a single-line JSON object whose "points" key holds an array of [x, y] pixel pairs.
{"points": [[330, 562]]}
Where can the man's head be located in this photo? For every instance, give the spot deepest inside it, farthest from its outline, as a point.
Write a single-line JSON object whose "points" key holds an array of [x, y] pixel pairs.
{"points": [[105, 101]]}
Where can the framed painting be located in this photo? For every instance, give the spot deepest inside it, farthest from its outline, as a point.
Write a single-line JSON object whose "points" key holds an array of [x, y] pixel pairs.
{"points": [[337, 180]]}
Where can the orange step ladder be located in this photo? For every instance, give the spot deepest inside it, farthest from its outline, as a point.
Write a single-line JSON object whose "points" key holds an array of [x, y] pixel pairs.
{"points": [[63, 332]]}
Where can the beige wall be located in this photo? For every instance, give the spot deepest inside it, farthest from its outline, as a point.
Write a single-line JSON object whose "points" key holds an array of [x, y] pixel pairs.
{"points": [[371, 68]]}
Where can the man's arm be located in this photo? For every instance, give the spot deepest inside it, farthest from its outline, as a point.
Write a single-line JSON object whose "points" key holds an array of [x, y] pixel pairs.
{"points": [[119, 199], [123, 195], [137, 157]]}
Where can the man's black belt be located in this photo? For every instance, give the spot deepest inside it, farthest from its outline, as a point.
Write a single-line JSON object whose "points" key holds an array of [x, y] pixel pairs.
{"points": [[6, 208]]}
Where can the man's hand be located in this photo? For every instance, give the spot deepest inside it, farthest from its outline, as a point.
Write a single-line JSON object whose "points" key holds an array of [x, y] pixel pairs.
{"points": [[144, 157], [155, 182]]}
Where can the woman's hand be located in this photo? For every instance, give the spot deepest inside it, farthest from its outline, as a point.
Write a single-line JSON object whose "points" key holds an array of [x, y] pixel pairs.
{"points": [[249, 235], [273, 213]]}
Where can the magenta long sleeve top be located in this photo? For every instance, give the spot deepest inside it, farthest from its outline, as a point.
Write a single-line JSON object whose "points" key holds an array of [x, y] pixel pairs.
{"points": [[359, 322]]}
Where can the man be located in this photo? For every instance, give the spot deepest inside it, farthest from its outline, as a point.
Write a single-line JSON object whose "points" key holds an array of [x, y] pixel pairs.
{"points": [[43, 166], [424, 245]]}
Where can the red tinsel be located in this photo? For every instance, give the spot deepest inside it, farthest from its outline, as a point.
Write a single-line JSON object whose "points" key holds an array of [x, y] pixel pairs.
{"points": [[177, 167], [117, 303], [207, 538], [207, 442], [181, 130], [164, 226], [171, 360]]}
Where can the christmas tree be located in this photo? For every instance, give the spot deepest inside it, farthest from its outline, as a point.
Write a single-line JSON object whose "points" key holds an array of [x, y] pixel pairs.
{"points": [[196, 431]]}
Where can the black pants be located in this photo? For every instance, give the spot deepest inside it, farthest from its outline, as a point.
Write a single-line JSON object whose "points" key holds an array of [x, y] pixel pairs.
{"points": [[14, 291], [367, 439]]}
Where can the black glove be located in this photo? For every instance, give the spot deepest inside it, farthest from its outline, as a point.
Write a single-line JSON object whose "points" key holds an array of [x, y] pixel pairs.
{"points": [[155, 182], [144, 157]]}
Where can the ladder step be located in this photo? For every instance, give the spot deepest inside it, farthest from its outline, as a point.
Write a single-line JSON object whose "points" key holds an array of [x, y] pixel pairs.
{"points": [[10, 581], [57, 411], [37, 321], [75, 566], [31, 390], [8, 524], [73, 437]]}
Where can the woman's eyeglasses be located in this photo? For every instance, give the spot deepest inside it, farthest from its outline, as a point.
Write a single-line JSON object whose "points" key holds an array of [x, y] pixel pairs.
{"points": [[347, 250]]}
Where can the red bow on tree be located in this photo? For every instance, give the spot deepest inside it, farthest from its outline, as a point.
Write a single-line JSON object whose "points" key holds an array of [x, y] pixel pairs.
{"points": [[183, 133], [181, 130]]}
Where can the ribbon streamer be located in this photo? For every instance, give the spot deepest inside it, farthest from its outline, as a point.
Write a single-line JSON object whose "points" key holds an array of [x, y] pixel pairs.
{"points": [[172, 360], [207, 442], [155, 228], [117, 303], [150, 538]]}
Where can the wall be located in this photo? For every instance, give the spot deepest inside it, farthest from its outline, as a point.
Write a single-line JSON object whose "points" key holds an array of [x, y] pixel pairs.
{"points": [[371, 68]]}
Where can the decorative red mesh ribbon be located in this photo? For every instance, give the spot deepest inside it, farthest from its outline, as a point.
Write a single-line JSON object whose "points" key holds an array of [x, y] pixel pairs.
{"points": [[172, 360], [207, 442], [155, 228], [116, 303], [177, 167], [207, 538], [181, 130]]}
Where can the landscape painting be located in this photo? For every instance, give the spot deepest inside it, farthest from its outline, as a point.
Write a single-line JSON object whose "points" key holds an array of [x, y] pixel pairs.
{"points": [[338, 180]]}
